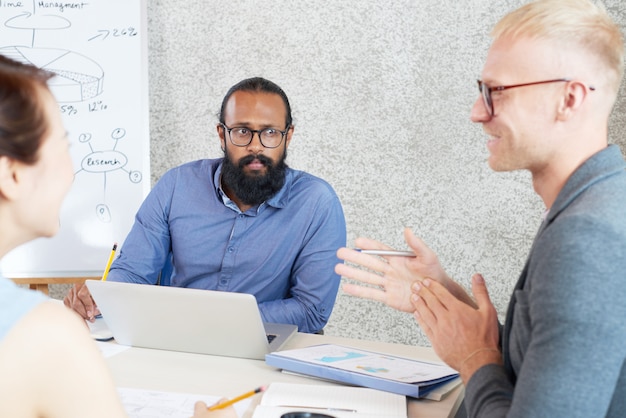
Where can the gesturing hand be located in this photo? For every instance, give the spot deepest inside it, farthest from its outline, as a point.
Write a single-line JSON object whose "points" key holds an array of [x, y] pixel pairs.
{"points": [[466, 338], [391, 276]]}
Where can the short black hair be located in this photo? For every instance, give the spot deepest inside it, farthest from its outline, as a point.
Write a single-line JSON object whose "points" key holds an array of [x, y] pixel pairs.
{"points": [[258, 84]]}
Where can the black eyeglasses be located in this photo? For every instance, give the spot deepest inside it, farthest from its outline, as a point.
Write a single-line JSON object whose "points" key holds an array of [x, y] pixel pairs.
{"points": [[241, 136], [485, 90]]}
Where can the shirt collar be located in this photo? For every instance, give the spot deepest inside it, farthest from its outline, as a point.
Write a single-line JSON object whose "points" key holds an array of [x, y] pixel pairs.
{"points": [[607, 162]]}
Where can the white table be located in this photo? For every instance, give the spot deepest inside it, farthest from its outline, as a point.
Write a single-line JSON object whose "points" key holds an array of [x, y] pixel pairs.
{"points": [[226, 376]]}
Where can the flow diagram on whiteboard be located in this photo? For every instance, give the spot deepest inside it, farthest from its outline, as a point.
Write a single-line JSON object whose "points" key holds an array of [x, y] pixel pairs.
{"points": [[103, 162], [97, 52]]}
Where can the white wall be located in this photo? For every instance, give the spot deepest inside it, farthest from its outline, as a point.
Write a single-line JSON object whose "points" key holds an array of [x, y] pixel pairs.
{"points": [[381, 94]]}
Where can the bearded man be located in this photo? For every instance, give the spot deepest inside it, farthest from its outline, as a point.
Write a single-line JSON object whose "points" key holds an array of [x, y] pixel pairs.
{"points": [[243, 223]]}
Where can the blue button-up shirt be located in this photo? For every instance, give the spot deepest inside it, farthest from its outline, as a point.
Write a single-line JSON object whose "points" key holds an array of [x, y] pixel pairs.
{"points": [[281, 251]]}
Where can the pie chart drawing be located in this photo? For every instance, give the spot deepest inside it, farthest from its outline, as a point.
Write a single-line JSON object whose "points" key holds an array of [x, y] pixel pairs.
{"points": [[78, 78]]}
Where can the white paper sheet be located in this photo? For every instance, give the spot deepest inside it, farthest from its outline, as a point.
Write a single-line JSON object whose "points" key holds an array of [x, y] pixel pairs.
{"points": [[142, 403], [336, 401]]}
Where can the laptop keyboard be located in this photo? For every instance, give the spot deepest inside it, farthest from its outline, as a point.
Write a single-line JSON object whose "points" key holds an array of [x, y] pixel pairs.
{"points": [[270, 338]]}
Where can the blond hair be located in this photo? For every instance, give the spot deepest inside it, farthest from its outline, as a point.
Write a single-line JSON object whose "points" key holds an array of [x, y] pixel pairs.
{"points": [[580, 23]]}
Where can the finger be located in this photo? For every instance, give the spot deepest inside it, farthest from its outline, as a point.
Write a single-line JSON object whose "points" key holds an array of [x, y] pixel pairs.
{"points": [[87, 302], [365, 260], [435, 293], [220, 401], [364, 292], [360, 275], [200, 407], [423, 316], [374, 263], [370, 244], [481, 294], [75, 303], [420, 322], [424, 309], [418, 246], [67, 300]]}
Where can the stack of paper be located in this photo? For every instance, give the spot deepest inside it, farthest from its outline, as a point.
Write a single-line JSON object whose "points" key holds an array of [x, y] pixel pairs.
{"points": [[336, 401]]}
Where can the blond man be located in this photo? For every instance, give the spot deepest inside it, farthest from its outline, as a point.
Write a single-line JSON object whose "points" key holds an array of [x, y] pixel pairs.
{"points": [[547, 89]]}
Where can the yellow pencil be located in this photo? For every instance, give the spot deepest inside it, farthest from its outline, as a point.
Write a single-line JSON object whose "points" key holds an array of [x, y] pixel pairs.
{"points": [[237, 399], [106, 269]]}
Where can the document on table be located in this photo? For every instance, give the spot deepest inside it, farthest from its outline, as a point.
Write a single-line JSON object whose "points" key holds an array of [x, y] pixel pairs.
{"points": [[374, 370], [337, 401], [110, 349], [366, 362], [437, 394], [143, 403]]}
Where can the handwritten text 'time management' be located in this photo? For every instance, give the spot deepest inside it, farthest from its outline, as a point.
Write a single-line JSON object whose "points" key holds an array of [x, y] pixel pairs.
{"points": [[61, 6]]}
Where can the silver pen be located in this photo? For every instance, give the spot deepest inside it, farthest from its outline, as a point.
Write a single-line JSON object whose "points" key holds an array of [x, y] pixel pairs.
{"points": [[316, 407], [387, 252]]}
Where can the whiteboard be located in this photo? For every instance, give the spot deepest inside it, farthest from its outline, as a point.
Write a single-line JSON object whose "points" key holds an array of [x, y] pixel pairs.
{"points": [[98, 51]]}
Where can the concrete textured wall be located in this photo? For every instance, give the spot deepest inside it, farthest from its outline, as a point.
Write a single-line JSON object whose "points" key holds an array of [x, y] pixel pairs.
{"points": [[381, 94]]}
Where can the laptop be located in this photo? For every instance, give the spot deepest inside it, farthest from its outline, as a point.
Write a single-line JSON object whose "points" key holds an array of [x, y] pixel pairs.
{"points": [[189, 320]]}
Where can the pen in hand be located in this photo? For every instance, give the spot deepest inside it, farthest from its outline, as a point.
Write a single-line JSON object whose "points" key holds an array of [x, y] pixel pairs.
{"points": [[108, 267], [236, 399], [387, 252], [90, 315]]}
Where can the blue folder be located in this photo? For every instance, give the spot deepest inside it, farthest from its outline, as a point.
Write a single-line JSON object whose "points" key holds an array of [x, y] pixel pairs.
{"points": [[416, 389]]}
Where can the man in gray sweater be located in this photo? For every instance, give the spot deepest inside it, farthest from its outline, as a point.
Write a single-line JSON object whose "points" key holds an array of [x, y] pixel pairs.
{"points": [[548, 86]]}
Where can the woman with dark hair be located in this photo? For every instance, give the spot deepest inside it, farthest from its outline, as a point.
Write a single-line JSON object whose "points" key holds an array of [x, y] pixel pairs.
{"points": [[49, 366]]}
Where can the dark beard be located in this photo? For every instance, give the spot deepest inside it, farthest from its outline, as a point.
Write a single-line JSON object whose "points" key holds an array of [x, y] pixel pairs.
{"points": [[254, 189]]}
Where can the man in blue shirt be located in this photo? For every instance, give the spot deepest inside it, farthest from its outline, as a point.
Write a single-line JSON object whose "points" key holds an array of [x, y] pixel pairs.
{"points": [[243, 223]]}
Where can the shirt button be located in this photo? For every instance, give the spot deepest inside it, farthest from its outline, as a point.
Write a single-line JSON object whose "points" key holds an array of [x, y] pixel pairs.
{"points": [[223, 281], [231, 249]]}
